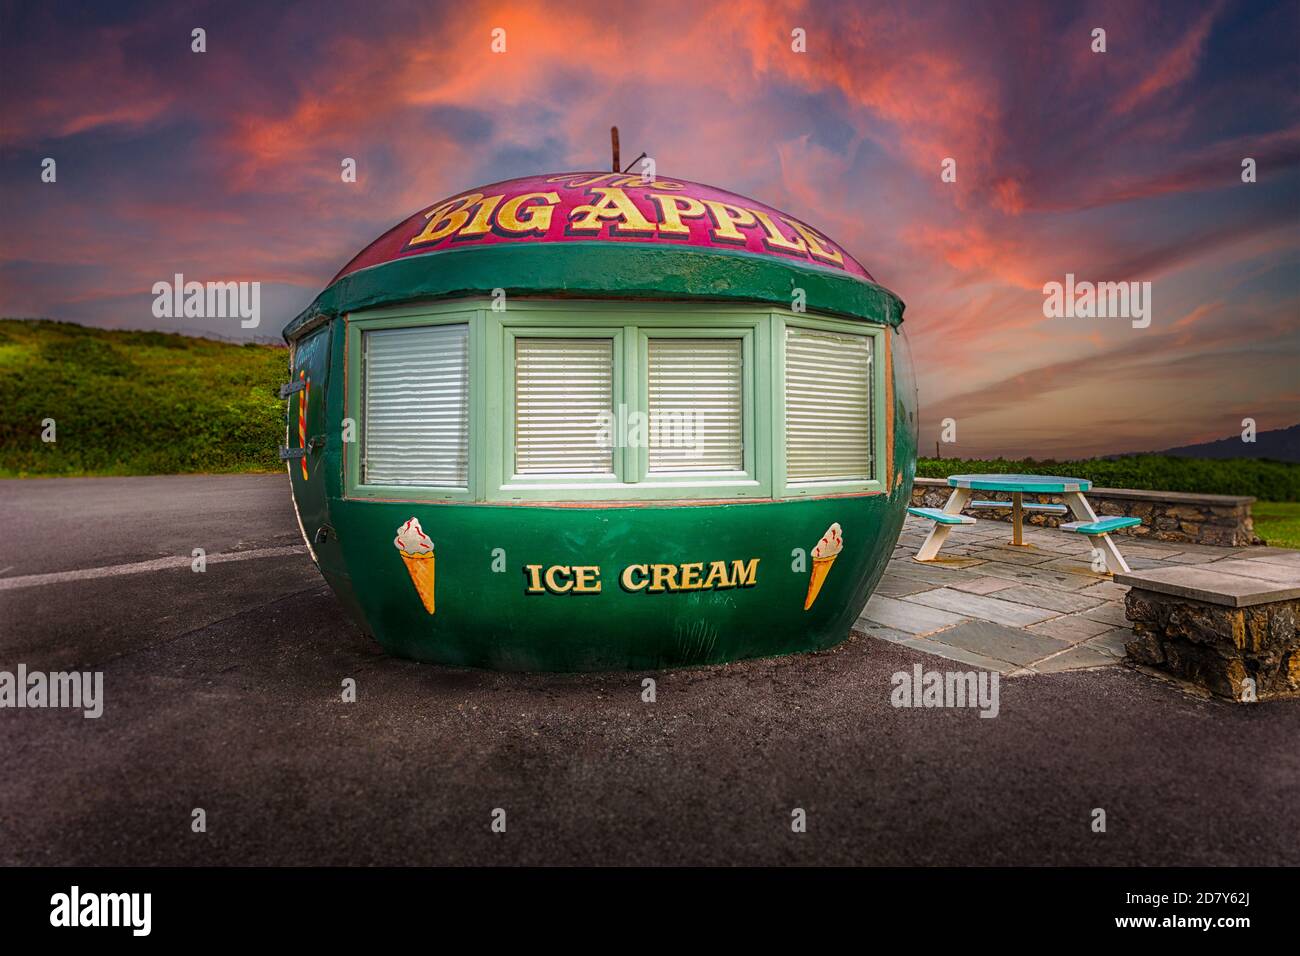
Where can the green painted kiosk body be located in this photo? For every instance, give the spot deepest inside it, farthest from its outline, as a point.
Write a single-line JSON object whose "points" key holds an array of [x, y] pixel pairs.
{"points": [[594, 421]]}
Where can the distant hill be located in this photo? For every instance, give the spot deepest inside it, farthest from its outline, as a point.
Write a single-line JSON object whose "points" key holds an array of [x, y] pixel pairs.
{"points": [[1280, 444]]}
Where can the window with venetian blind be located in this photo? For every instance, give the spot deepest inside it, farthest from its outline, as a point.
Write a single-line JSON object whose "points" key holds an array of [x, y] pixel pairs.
{"points": [[695, 404], [564, 397], [416, 406], [828, 418]]}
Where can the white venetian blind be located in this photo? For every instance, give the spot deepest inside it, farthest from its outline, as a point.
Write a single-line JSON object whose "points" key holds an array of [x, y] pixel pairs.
{"points": [[827, 405], [564, 395], [694, 393], [416, 425]]}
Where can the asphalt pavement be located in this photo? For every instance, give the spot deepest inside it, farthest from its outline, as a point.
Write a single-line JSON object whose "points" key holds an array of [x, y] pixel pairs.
{"points": [[222, 692]]}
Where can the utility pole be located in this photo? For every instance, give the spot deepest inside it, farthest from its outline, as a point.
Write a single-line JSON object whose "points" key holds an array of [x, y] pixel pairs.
{"points": [[613, 141]]}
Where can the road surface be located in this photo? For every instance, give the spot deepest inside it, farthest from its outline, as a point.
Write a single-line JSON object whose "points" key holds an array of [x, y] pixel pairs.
{"points": [[223, 693]]}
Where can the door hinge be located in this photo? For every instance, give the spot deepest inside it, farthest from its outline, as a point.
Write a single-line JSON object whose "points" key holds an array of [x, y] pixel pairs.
{"points": [[291, 387]]}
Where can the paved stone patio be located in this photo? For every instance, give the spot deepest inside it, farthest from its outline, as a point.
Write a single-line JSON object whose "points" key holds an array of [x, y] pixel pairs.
{"points": [[1039, 609]]}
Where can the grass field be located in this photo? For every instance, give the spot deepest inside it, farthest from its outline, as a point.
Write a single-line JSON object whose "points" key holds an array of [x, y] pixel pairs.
{"points": [[1278, 522], [134, 403]]}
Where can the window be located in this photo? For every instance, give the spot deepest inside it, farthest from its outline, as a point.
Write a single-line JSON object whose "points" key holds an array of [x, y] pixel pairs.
{"points": [[416, 418], [695, 399], [571, 401], [564, 396], [827, 406]]}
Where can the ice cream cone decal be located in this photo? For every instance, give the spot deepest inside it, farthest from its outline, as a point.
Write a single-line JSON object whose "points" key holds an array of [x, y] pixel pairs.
{"points": [[824, 555], [417, 554]]}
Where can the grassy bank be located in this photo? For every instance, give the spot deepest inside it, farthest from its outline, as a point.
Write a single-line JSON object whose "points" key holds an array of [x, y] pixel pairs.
{"points": [[1278, 522], [133, 403]]}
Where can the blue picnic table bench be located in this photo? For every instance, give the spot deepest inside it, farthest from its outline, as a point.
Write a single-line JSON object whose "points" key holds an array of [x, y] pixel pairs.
{"points": [[1071, 490]]}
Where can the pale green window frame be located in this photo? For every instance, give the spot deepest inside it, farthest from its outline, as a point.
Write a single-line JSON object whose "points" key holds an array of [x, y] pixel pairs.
{"points": [[805, 489], [509, 480], [631, 326], [747, 481], [405, 318], [491, 399]]}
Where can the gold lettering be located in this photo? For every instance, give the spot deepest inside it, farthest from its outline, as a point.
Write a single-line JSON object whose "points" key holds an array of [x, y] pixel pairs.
{"points": [[691, 576], [664, 573], [445, 219], [554, 586], [534, 572], [481, 224], [671, 211], [773, 237], [726, 218], [536, 218], [628, 583], [744, 574], [577, 182], [815, 240], [587, 580], [615, 205], [718, 571]]}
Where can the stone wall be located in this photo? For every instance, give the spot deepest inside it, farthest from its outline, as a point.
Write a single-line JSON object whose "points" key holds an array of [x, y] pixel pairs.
{"points": [[1221, 520], [1218, 647]]}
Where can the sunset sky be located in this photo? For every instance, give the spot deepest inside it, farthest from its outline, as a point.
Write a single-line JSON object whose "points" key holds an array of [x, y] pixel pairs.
{"points": [[1123, 165]]}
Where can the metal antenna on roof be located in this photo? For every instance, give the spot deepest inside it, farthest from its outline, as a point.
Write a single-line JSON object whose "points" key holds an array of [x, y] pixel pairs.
{"points": [[613, 141]]}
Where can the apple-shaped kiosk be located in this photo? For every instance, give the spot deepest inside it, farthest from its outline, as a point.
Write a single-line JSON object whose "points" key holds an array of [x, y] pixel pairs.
{"points": [[601, 421]]}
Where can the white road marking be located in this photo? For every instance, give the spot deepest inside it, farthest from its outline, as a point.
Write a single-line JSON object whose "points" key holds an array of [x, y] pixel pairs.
{"points": [[143, 567]]}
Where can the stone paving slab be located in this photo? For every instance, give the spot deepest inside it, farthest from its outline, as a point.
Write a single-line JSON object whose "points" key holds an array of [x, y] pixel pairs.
{"points": [[982, 606], [1076, 658], [1111, 642], [1039, 609], [1215, 584], [1014, 555], [1080, 564], [1284, 574], [906, 616], [961, 655], [981, 585], [953, 563], [896, 585], [1071, 627], [1106, 591], [1000, 642], [1050, 599], [1112, 613], [1047, 577], [925, 571], [869, 628], [1192, 558]]}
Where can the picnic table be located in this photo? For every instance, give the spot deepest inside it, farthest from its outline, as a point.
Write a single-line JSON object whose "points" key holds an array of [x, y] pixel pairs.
{"points": [[1070, 489]]}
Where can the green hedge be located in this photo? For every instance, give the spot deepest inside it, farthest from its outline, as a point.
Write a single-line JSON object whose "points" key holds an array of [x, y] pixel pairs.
{"points": [[1266, 480], [129, 403]]}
